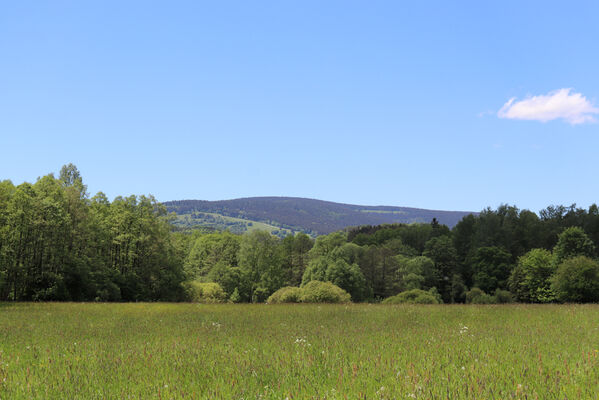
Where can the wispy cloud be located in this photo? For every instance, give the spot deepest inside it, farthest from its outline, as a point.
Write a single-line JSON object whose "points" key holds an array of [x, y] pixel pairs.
{"points": [[562, 103]]}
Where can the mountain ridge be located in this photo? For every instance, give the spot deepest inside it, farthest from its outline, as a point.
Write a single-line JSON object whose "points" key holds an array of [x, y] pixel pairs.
{"points": [[313, 216]]}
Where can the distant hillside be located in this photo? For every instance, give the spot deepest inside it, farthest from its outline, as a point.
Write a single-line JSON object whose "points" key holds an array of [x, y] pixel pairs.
{"points": [[292, 214]]}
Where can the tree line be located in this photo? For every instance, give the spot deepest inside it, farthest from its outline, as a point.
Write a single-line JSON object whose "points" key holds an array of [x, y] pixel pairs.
{"points": [[58, 243]]}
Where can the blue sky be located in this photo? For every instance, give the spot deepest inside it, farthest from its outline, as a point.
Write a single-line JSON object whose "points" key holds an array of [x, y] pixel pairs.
{"points": [[374, 103]]}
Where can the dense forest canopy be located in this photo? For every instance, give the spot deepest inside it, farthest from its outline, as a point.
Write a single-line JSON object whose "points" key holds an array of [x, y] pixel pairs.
{"points": [[58, 243]]}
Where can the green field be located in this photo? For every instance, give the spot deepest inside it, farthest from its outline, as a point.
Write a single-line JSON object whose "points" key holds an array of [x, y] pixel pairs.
{"points": [[165, 351]]}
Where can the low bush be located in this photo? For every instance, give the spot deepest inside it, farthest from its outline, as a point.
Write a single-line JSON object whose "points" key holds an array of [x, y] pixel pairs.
{"points": [[415, 296], [323, 292], [312, 292], [503, 297], [287, 294], [477, 296], [205, 292]]}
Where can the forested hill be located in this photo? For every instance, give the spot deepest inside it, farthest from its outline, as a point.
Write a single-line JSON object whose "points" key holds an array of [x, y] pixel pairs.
{"points": [[308, 215]]}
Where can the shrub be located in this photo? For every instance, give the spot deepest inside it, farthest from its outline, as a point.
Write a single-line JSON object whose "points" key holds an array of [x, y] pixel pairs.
{"points": [[415, 296], [477, 296], [205, 292], [577, 280], [323, 292], [503, 297], [287, 294]]}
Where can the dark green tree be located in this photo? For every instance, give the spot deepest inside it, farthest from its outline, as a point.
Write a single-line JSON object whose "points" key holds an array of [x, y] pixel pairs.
{"points": [[441, 250], [492, 267]]}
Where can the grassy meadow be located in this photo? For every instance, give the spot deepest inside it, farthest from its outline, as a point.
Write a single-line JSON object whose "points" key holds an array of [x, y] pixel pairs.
{"points": [[166, 351]]}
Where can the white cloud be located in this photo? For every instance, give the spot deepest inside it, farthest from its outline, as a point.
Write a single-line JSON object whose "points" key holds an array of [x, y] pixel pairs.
{"points": [[572, 107]]}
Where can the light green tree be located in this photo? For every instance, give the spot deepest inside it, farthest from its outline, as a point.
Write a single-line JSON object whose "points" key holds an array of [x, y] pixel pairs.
{"points": [[573, 242], [260, 262], [530, 281]]}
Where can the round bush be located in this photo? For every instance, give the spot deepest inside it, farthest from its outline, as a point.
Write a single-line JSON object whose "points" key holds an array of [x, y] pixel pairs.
{"points": [[323, 292], [206, 292], [414, 296], [287, 294]]}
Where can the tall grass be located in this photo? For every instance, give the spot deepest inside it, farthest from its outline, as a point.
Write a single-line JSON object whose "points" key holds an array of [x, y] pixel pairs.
{"points": [[165, 351]]}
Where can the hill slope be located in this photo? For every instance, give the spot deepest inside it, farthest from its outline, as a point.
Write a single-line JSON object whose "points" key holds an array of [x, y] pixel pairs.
{"points": [[307, 215]]}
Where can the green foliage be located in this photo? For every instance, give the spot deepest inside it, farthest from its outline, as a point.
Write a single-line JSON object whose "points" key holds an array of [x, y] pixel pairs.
{"points": [[208, 250], [530, 280], [458, 289], [58, 244], [287, 294], [205, 292], [323, 292], [503, 297], [347, 276], [376, 236], [227, 276], [235, 297], [316, 270], [577, 280], [334, 260], [573, 242], [491, 267], [416, 273], [477, 296], [415, 296], [295, 250], [326, 244], [412, 281], [260, 260], [441, 250]]}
